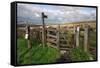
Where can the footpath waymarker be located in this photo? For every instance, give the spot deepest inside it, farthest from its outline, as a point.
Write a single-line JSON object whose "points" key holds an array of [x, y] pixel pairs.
{"points": [[43, 29]]}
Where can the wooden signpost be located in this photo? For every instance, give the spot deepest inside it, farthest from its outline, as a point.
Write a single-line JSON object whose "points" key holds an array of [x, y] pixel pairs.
{"points": [[43, 29]]}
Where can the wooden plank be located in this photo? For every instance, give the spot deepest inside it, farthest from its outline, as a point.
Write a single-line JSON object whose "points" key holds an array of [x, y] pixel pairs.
{"points": [[51, 40], [53, 30], [63, 44], [65, 47], [53, 36]]}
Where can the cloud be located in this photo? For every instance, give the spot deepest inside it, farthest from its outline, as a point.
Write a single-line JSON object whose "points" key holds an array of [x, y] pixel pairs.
{"points": [[56, 14]]}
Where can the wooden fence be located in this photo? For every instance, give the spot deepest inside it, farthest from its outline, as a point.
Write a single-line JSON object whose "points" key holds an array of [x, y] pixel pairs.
{"points": [[58, 37], [63, 38]]}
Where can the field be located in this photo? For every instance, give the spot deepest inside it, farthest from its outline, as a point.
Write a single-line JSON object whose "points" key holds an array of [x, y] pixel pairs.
{"points": [[63, 44], [36, 55]]}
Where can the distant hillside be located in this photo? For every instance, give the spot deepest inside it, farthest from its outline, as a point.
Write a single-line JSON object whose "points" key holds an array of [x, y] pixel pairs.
{"points": [[93, 21], [69, 24]]}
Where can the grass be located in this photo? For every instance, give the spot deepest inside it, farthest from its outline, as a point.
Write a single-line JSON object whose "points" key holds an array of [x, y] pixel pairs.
{"points": [[40, 55], [92, 39], [92, 42], [37, 55], [77, 54]]}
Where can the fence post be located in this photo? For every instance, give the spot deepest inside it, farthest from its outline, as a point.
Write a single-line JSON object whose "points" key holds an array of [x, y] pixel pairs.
{"points": [[27, 36], [58, 36], [85, 38], [77, 36], [74, 37]]}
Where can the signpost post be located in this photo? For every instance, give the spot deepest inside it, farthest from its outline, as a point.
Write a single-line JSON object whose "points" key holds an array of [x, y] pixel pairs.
{"points": [[43, 29]]}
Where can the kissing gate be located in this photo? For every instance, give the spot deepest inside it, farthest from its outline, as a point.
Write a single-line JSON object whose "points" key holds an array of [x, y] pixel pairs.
{"points": [[60, 37]]}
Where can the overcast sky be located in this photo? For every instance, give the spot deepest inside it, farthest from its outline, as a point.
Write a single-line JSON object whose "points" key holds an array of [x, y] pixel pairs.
{"points": [[56, 14]]}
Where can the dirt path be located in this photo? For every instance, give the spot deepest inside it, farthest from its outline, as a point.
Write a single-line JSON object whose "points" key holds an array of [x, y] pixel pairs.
{"points": [[63, 58]]}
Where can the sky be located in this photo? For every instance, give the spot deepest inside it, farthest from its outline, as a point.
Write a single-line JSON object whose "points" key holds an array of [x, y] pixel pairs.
{"points": [[31, 13]]}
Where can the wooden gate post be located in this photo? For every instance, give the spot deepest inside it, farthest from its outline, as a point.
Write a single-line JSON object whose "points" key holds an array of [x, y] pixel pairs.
{"points": [[58, 36], [85, 38], [77, 36], [74, 37]]}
